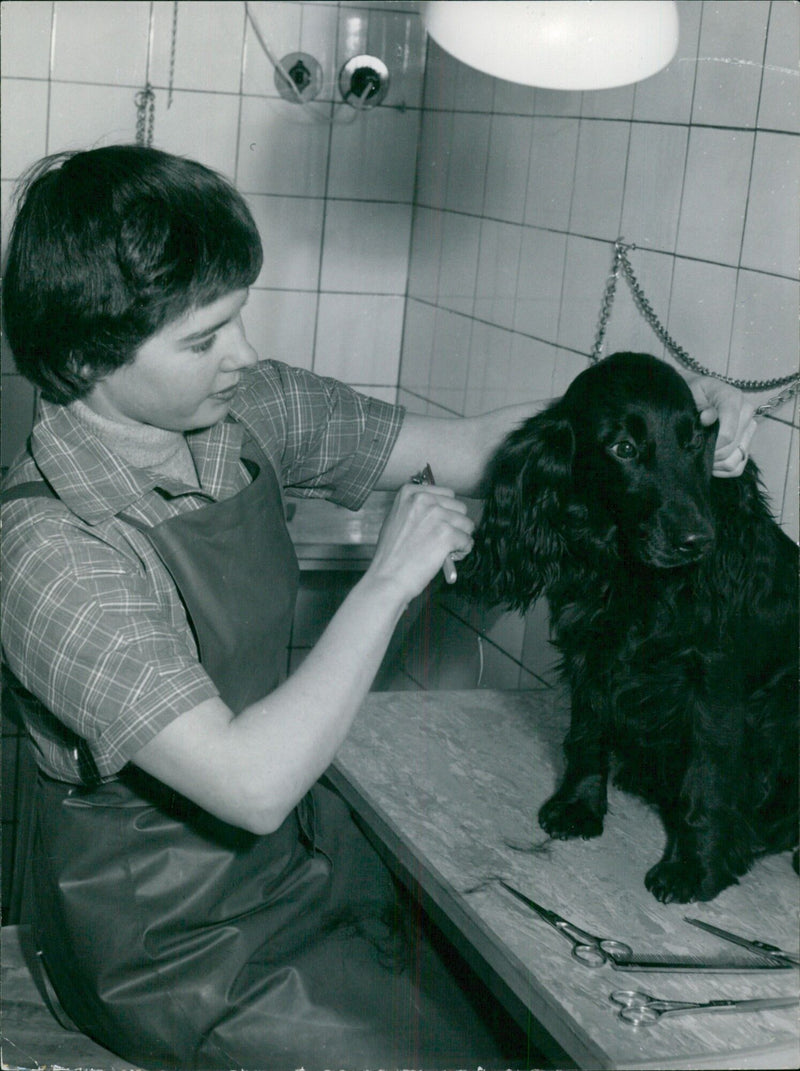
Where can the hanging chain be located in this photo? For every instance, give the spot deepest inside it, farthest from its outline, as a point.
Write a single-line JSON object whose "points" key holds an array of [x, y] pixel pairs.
{"points": [[172, 47], [145, 115], [621, 264], [146, 98]]}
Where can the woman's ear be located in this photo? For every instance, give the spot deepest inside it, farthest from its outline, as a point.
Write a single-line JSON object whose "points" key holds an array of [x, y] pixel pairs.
{"points": [[518, 545]]}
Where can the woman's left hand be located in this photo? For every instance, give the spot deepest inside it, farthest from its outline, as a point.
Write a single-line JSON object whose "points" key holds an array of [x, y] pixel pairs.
{"points": [[720, 401]]}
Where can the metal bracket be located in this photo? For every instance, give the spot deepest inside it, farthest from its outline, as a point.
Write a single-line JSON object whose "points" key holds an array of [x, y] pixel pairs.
{"points": [[306, 77], [364, 82]]}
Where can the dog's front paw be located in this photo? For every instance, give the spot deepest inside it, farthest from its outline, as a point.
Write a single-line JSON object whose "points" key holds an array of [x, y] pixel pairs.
{"points": [[563, 818], [680, 881]]}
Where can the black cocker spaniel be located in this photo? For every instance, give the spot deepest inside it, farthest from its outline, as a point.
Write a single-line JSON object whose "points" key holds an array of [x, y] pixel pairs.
{"points": [[673, 601]]}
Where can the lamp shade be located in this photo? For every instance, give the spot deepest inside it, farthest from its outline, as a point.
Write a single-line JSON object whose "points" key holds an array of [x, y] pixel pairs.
{"points": [[558, 44]]}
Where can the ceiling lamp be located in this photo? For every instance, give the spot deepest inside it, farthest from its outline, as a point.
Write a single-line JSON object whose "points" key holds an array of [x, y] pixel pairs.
{"points": [[558, 44]]}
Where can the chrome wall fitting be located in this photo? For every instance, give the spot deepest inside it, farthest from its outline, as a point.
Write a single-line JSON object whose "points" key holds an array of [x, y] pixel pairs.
{"points": [[364, 82], [305, 74]]}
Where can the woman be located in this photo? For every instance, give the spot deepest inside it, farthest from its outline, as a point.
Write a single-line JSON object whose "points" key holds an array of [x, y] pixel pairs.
{"points": [[202, 900]]}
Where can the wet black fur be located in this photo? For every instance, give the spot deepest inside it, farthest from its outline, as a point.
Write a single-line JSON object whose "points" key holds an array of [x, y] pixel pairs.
{"points": [[674, 604]]}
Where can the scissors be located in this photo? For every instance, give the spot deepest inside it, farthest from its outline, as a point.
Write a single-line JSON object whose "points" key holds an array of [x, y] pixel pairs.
{"points": [[425, 477], [590, 950], [642, 1009], [761, 948]]}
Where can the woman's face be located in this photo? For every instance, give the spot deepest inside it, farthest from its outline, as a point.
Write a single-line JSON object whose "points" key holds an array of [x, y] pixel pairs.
{"points": [[184, 377]]}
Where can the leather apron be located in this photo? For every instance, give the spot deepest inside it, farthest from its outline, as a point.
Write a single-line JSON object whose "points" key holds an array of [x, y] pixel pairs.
{"points": [[179, 941]]}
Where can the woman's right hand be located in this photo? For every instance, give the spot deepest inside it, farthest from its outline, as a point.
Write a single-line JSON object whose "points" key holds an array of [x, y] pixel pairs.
{"points": [[425, 525]]}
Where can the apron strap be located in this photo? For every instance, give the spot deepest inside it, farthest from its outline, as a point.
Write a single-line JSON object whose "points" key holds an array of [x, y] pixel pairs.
{"points": [[29, 489]]}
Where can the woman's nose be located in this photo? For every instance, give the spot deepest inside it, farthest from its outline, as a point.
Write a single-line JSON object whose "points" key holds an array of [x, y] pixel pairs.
{"points": [[240, 353]]}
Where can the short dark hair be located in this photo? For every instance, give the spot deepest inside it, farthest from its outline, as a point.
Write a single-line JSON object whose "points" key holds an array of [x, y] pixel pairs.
{"points": [[107, 247]]}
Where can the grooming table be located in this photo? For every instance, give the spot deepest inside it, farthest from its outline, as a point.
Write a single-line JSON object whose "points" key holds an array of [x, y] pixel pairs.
{"points": [[449, 784]]}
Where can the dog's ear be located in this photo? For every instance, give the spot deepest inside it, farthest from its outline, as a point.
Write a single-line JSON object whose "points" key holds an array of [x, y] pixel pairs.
{"points": [[518, 545], [741, 507]]}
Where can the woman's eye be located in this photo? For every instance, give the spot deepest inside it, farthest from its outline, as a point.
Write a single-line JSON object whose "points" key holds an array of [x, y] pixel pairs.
{"points": [[205, 345], [624, 450]]}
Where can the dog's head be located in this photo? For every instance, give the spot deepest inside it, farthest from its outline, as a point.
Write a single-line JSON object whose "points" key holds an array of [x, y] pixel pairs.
{"points": [[619, 467]]}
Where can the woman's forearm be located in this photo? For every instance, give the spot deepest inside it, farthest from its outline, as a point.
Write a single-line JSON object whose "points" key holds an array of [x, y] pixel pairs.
{"points": [[252, 769], [298, 729]]}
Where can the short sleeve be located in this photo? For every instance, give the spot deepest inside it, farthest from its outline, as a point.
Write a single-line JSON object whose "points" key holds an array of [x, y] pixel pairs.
{"points": [[85, 631], [328, 440]]}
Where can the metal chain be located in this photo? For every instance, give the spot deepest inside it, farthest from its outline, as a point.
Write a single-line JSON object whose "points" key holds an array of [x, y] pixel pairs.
{"points": [[145, 115], [621, 264], [172, 48]]}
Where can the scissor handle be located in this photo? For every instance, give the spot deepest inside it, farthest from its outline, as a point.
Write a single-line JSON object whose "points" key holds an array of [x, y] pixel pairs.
{"points": [[596, 953], [775, 952], [641, 1015], [642, 1009], [589, 955], [637, 1008]]}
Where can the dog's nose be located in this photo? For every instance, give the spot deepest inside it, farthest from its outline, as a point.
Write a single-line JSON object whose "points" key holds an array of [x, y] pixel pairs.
{"points": [[694, 544]]}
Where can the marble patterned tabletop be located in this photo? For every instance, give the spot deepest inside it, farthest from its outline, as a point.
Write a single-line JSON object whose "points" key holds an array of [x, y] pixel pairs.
{"points": [[451, 782]]}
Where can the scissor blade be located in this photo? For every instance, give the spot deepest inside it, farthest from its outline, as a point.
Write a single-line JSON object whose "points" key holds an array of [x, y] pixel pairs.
{"points": [[736, 939], [640, 962], [549, 916], [765, 1002]]}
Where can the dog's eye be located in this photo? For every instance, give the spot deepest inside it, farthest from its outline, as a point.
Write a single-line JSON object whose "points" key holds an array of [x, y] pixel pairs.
{"points": [[624, 450]]}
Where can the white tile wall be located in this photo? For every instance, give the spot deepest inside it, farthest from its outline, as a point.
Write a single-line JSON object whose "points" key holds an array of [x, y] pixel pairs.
{"points": [[508, 214], [291, 233], [667, 96], [450, 363], [587, 265], [83, 114], [498, 270], [599, 181], [654, 183], [25, 39], [71, 71], [773, 205], [730, 63], [554, 150], [779, 107], [701, 310], [715, 194], [358, 337], [104, 43], [538, 295], [375, 157], [507, 171], [208, 52], [466, 163], [457, 262], [416, 358], [697, 166], [627, 328], [281, 150], [426, 253], [282, 325], [432, 157], [764, 335], [365, 247], [24, 108]]}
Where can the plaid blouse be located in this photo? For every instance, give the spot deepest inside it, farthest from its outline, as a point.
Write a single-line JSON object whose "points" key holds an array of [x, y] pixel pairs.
{"points": [[92, 624]]}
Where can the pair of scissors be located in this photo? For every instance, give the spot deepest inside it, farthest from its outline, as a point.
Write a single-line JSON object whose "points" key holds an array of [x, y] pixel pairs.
{"points": [[425, 478], [642, 1009], [589, 949], [760, 948]]}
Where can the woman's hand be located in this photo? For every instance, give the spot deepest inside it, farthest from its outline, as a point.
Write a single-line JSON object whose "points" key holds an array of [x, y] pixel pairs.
{"points": [[426, 525], [720, 401]]}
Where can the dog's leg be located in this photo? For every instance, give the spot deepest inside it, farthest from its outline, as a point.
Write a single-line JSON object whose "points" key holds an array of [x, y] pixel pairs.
{"points": [[578, 807], [710, 842]]}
